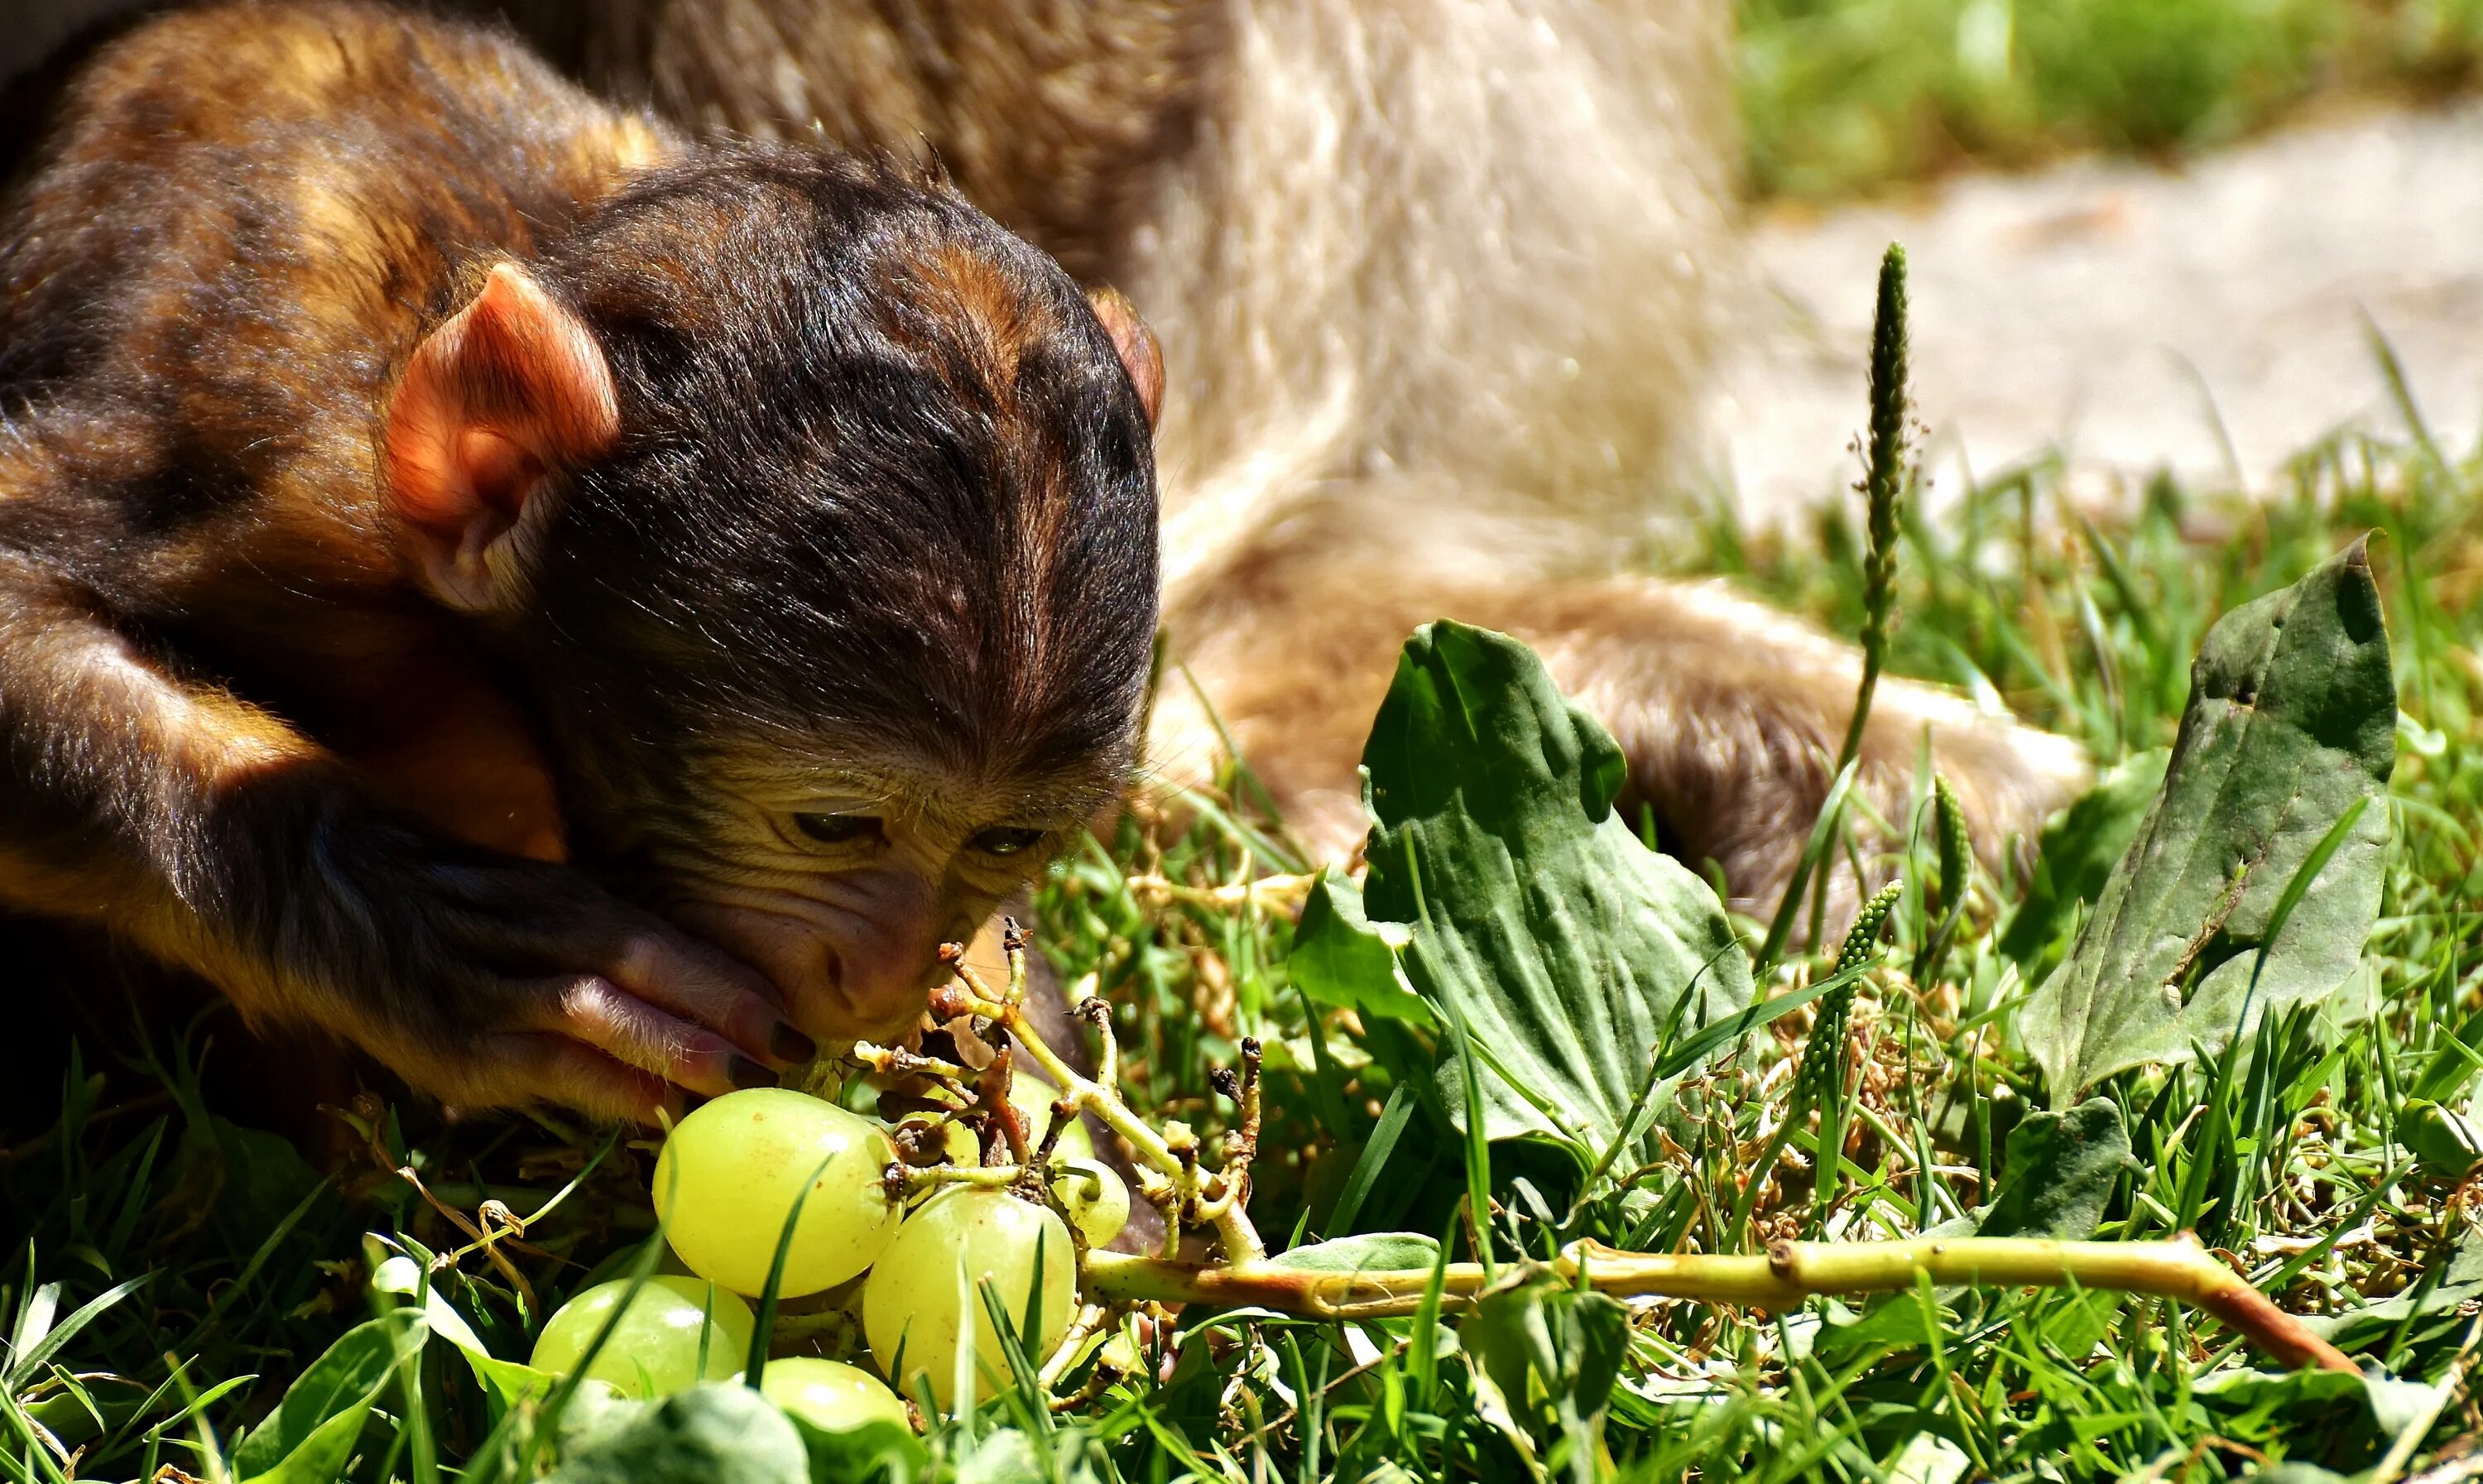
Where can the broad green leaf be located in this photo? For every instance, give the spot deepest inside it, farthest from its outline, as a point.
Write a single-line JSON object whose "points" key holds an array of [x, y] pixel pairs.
{"points": [[2059, 1172], [311, 1434], [241, 1181], [874, 1450], [719, 1433], [1341, 957], [1928, 1458], [506, 1380], [2338, 1415], [2442, 1140], [1006, 1456], [2076, 854], [1551, 1353], [1373, 1252], [1891, 1324], [2292, 718], [1563, 944]]}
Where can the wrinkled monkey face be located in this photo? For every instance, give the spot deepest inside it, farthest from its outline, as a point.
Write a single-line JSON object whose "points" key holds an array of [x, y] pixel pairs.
{"points": [[842, 887], [845, 623]]}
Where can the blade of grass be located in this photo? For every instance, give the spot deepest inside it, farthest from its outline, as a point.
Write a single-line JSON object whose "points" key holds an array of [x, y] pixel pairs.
{"points": [[1373, 1159], [764, 1328]]}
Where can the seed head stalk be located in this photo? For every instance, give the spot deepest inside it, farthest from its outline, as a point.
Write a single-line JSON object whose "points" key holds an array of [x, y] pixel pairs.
{"points": [[1884, 487], [1884, 474]]}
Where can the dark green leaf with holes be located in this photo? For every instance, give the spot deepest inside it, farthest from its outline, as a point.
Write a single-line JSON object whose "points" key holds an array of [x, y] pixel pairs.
{"points": [[2291, 718]]}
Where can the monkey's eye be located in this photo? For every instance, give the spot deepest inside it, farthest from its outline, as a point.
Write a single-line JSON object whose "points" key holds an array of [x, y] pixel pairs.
{"points": [[838, 829], [1006, 840]]}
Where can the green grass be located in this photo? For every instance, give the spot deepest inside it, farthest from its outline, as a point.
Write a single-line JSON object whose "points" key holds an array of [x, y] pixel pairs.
{"points": [[1846, 95], [170, 1274], [248, 1264]]}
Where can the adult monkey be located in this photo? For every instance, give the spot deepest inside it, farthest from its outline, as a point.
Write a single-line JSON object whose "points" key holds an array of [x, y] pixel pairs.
{"points": [[1433, 283], [1437, 283], [417, 472]]}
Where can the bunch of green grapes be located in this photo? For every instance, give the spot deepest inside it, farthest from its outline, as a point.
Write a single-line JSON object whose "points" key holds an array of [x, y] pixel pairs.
{"points": [[752, 1171]]}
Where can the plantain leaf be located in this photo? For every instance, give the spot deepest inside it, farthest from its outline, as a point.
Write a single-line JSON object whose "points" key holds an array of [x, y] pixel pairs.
{"points": [[716, 1433], [2075, 855], [1368, 1252], [1565, 946], [2291, 718], [2058, 1174], [1342, 957], [1547, 1355], [311, 1434]]}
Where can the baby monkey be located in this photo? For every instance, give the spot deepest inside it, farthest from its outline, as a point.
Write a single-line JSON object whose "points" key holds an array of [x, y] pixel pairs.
{"points": [[429, 497]]}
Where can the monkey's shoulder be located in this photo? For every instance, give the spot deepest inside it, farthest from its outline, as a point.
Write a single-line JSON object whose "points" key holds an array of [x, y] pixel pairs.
{"points": [[238, 72], [245, 218], [248, 189]]}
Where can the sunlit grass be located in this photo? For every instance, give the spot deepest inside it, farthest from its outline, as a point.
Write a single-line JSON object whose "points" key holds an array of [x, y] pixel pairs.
{"points": [[1846, 95], [247, 1262]]}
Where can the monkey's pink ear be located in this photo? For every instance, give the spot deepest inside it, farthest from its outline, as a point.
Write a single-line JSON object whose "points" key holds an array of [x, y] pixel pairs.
{"points": [[1136, 343], [510, 388]]}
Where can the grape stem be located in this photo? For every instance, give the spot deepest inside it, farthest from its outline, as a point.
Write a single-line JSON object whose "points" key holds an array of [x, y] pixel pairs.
{"points": [[994, 1178], [1781, 1279], [1175, 1178], [1198, 1195]]}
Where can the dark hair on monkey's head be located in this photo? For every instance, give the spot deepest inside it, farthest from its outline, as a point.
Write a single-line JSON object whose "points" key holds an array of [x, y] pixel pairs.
{"points": [[882, 475]]}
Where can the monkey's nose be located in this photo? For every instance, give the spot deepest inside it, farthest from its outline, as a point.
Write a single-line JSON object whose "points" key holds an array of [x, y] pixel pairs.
{"points": [[883, 993]]}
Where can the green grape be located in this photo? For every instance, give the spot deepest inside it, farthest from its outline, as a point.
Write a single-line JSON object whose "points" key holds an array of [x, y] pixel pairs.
{"points": [[1034, 1098], [1094, 1197], [830, 1396], [655, 1349], [916, 1300], [726, 1181]]}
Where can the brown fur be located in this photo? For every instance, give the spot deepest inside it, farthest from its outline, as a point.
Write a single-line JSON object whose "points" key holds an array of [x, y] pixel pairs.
{"points": [[1052, 115], [246, 316], [405, 453], [1730, 713], [1438, 282]]}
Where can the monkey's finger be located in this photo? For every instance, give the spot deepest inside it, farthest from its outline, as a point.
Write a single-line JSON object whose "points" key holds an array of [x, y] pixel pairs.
{"points": [[554, 1068], [620, 1024], [700, 984]]}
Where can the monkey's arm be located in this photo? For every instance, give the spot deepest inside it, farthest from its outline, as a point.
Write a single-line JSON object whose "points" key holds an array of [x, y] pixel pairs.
{"points": [[223, 840]]}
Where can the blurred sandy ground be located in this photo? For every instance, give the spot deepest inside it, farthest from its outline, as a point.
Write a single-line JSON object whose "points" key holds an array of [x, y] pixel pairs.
{"points": [[2115, 313]]}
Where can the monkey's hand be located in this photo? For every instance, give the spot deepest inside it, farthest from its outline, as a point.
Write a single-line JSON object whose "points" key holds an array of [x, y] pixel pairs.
{"points": [[221, 838], [487, 980]]}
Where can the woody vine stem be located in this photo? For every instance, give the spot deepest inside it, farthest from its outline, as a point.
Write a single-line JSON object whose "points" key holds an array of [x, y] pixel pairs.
{"points": [[1178, 1178]]}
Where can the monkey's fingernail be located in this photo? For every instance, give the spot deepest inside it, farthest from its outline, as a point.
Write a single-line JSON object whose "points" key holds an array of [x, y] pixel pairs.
{"points": [[743, 1072], [790, 1044]]}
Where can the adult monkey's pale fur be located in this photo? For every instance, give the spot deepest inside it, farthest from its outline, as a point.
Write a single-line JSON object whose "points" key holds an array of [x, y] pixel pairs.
{"points": [[1437, 283]]}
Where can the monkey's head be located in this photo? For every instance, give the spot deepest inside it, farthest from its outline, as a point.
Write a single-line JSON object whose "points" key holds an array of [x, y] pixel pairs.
{"points": [[818, 514]]}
